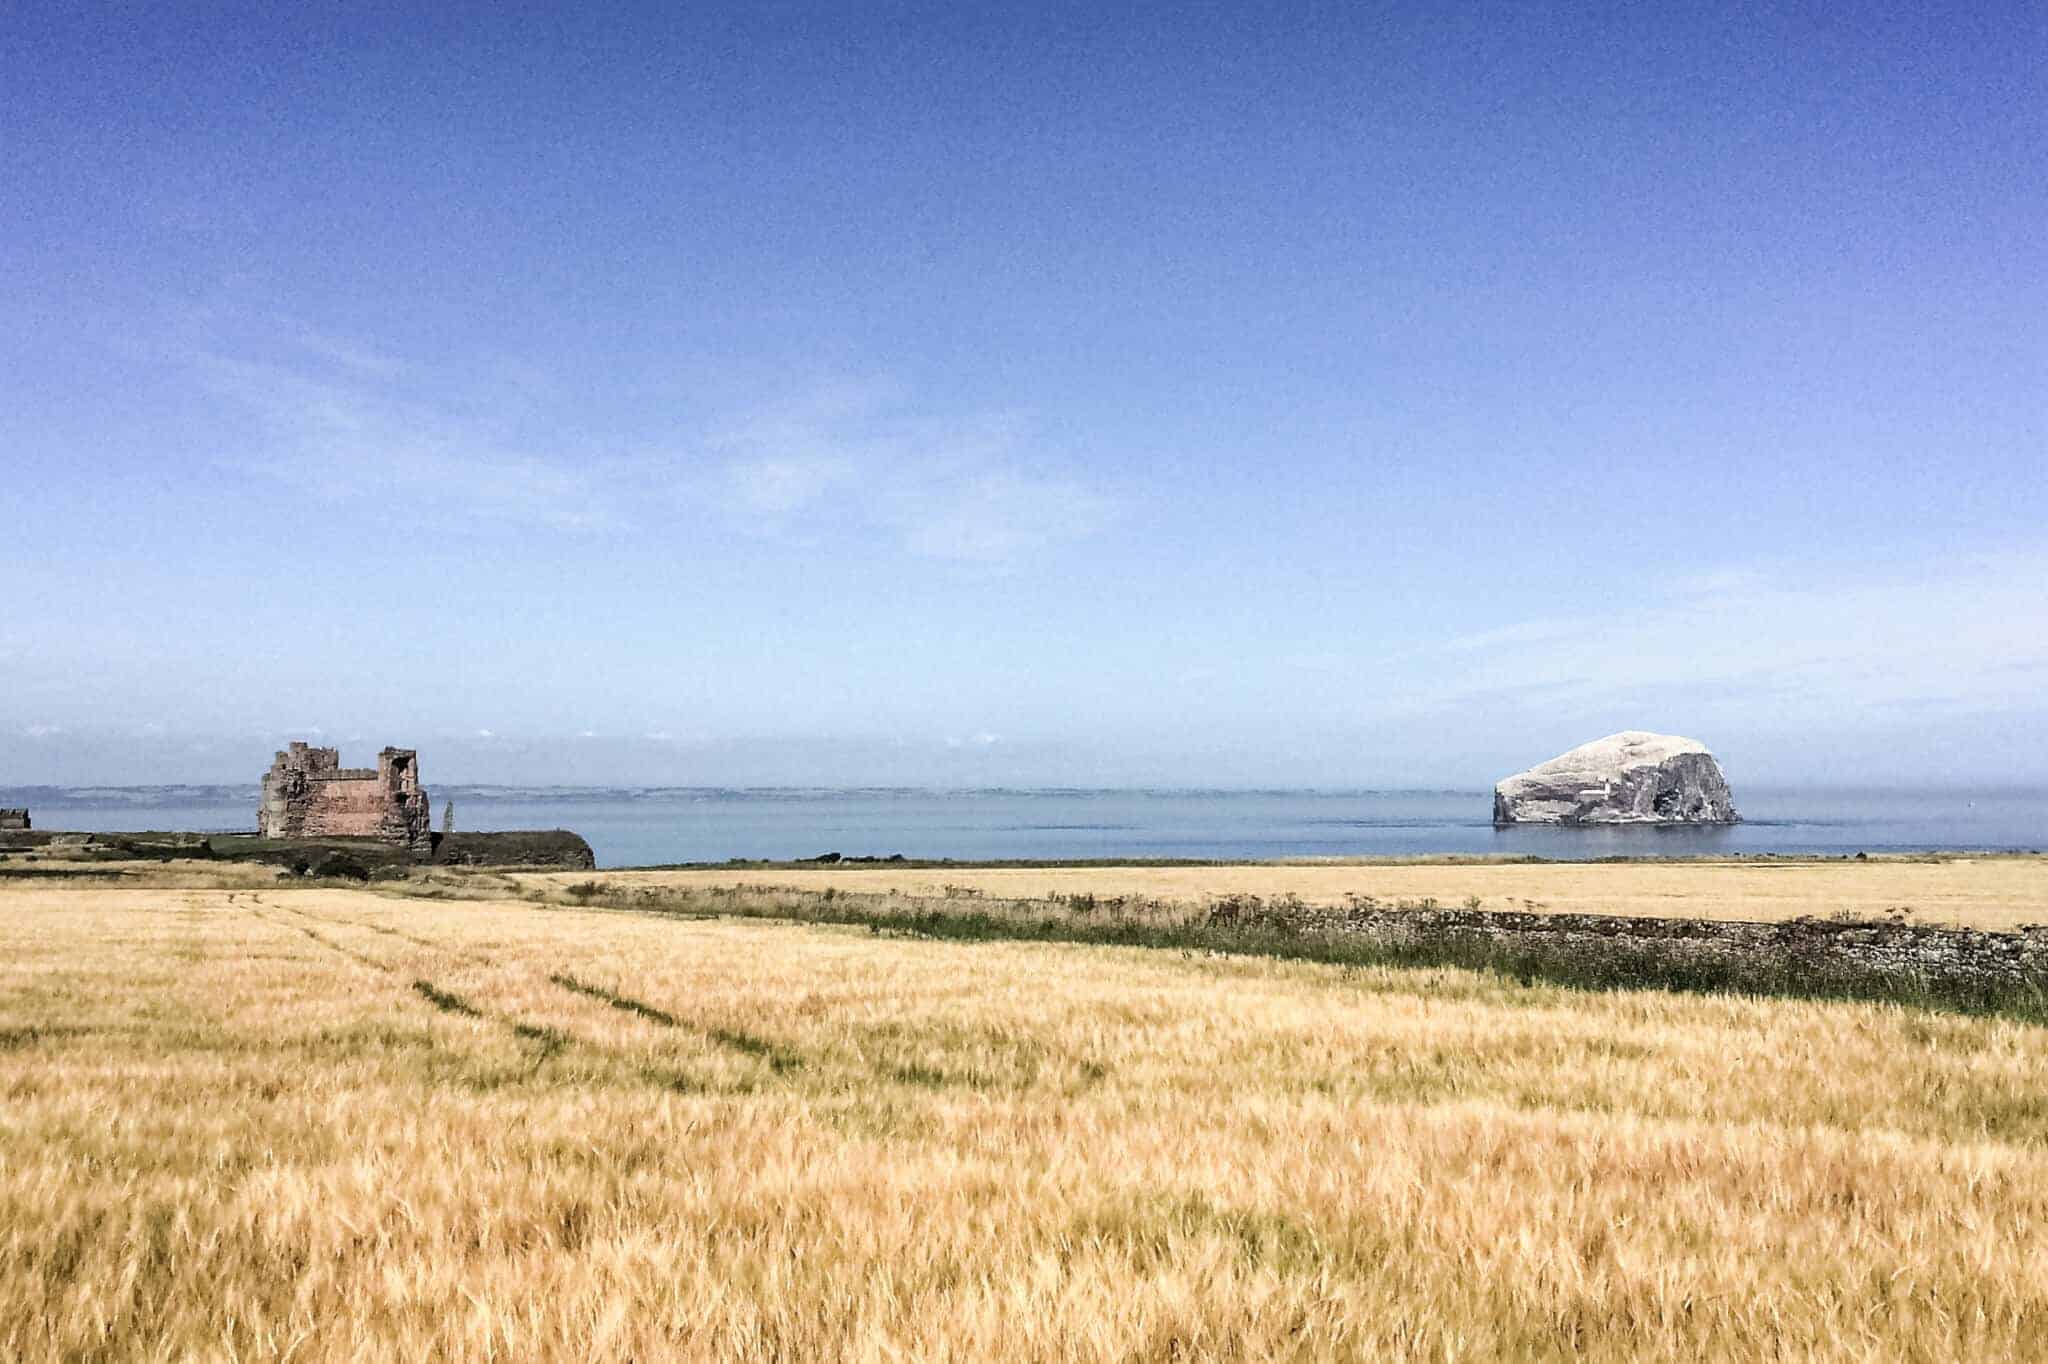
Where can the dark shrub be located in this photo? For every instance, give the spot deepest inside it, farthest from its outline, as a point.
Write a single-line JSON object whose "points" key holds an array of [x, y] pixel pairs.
{"points": [[342, 867]]}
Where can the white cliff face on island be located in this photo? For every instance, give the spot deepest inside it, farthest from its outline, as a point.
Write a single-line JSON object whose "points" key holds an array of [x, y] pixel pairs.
{"points": [[1628, 778]]}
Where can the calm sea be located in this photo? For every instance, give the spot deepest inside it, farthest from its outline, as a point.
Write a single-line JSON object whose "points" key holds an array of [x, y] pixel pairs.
{"points": [[630, 827]]}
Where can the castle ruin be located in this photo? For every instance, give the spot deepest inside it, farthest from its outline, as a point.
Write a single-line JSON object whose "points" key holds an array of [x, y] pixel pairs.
{"points": [[14, 819], [307, 793]]}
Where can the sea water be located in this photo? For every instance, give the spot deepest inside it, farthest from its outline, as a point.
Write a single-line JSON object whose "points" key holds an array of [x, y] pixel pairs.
{"points": [[643, 827]]}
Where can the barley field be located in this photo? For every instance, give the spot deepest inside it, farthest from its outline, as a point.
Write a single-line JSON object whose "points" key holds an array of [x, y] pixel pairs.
{"points": [[260, 1121], [1989, 892]]}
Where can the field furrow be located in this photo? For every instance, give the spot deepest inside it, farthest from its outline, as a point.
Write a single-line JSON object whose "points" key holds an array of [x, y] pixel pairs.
{"points": [[350, 1124]]}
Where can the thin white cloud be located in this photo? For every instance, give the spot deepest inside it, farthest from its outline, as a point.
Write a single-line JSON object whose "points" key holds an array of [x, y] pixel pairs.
{"points": [[1967, 634], [351, 355], [993, 516], [1317, 661], [780, 485], [852, 458], [339, 420], [338, 434], [1522, 632], [1720, 582]]}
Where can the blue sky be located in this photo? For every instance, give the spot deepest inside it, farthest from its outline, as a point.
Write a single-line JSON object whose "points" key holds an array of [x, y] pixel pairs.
{"points": [[1324, 394]]}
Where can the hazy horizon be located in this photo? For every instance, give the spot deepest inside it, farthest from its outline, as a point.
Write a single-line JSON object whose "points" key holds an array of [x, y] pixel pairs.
{"points": [[455, 761]]}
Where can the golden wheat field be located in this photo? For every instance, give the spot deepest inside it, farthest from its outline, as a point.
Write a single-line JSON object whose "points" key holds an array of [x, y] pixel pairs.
{"points": [[1976, 892], [319, 1124]]}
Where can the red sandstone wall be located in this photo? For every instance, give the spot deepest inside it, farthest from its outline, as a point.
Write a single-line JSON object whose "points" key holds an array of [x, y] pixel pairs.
{"points": [[346, 809], [308, 794]]}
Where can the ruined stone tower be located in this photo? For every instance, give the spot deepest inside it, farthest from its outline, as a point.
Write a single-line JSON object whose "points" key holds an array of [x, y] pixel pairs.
{"points": [[308, 794]]}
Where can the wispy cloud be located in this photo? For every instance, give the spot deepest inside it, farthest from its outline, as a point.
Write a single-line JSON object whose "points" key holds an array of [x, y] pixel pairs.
{"points": [[1968, 633], [342, 419], [350, 355], [1522, 632], [993, 515], [860, 458], [340, 430], [1720, 582], [781, 485]]}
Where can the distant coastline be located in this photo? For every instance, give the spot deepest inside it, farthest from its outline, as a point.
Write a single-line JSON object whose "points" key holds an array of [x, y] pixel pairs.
{"points": [[141, 793], [655, 826]]}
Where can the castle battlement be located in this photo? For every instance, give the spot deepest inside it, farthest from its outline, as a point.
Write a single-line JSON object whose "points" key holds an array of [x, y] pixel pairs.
{"points": [[307, 793]]}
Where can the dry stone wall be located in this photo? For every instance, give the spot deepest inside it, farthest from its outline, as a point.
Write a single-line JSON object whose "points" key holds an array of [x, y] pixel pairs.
{"points": [[1809, 946]]}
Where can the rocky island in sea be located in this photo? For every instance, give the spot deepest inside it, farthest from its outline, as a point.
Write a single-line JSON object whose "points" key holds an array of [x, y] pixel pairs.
{"points": [[1633, 777]]}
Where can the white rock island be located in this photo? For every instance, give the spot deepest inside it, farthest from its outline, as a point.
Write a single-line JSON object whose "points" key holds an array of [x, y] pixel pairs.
{"points": [[1629, 778]]}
